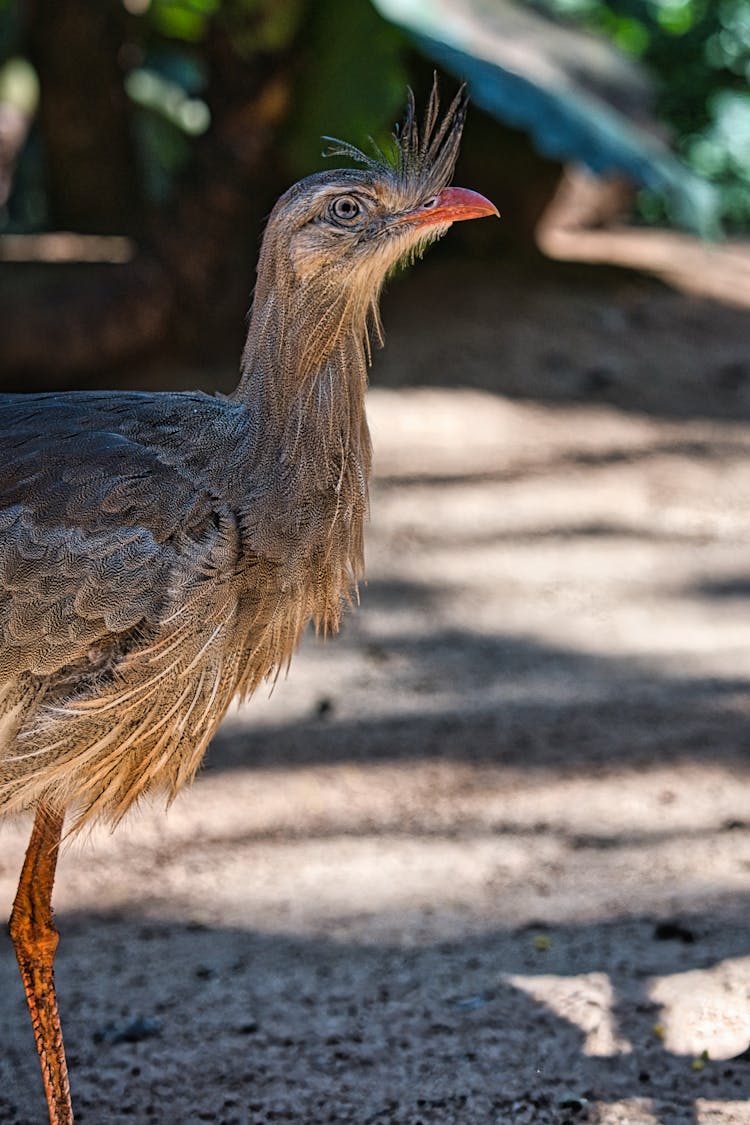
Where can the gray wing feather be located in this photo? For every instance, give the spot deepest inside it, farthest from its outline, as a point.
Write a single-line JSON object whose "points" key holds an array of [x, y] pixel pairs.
{"points": [[95, 522]]}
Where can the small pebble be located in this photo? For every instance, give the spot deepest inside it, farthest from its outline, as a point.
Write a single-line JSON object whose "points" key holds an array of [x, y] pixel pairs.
{"points": [[470, 1003]]}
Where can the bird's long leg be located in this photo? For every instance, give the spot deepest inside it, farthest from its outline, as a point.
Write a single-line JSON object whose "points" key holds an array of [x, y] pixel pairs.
{"points": [[35, 939]]}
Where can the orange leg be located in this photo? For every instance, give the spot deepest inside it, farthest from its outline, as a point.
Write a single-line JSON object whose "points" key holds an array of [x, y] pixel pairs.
{"points": [[35, 939]]}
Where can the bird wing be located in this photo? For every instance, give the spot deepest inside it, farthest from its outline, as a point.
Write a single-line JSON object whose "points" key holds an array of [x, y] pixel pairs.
{"points": [[96, 526], [119, 549]]}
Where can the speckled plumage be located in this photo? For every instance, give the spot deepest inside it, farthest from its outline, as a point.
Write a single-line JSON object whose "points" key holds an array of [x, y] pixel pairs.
{"points": [[162, 553]]}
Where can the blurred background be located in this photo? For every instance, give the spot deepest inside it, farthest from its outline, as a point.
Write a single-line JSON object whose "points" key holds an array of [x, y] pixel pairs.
{"points": [[143, 141], [483, 857]]}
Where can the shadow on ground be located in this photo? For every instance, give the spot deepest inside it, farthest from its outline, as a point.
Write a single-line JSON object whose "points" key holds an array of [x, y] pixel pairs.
{"points": [[436, 1033], [493, 699]]}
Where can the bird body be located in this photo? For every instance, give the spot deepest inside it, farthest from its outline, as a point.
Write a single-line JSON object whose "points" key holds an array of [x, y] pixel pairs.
{"points": [[156, 559], [162, 553]]}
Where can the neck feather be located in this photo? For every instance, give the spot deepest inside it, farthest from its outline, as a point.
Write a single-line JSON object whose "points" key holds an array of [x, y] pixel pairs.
{"points": [[304, 377]]}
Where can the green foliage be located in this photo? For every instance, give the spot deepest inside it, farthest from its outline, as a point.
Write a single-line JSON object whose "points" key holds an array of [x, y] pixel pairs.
{"points": [[253, 25], [167, 87], [167, 116], [699, 53], [266, 26], [352, 82], [19, 85], [11, 24], [182, 19], [350, 75]]}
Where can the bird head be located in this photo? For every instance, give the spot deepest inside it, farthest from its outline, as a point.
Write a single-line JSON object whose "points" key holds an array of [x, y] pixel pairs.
{"points": [[329, 244], [334, 236]]}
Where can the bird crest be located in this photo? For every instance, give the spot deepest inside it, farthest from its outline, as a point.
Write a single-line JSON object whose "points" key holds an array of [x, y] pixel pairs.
{"points": [[420, 159]]}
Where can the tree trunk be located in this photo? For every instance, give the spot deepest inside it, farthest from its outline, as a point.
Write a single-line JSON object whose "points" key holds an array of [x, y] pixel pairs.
{"points": [[204, 240], [84, 116]]}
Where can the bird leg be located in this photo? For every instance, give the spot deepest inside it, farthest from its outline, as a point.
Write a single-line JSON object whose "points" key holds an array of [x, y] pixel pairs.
{"points": [[35, 939]]}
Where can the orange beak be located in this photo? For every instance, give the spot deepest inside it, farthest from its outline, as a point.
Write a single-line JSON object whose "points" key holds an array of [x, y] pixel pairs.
{"points": [[451, 206]]}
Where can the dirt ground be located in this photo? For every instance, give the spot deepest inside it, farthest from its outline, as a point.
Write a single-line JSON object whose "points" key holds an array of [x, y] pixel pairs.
{"points": [[486, 856]]}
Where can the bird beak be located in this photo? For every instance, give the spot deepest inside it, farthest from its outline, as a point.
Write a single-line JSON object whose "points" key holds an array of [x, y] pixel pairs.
{"points": [[451, 206]]}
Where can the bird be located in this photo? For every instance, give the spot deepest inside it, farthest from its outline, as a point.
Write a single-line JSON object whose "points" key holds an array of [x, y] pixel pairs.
{"points": [[161, 553]]}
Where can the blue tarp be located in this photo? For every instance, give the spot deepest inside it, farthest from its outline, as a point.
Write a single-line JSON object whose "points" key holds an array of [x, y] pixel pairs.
{"points": [[578, 97]]}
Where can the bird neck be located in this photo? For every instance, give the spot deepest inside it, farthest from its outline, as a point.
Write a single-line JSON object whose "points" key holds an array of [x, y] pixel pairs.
{"points": [[303, 380]]}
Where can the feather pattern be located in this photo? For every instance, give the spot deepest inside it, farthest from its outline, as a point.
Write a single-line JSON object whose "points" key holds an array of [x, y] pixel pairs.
{"points": [[163, 553], [420, 160]]}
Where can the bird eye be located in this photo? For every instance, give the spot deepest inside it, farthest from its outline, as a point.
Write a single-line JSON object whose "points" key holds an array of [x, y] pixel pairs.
{"points": [[345, 207], [430, 203]]}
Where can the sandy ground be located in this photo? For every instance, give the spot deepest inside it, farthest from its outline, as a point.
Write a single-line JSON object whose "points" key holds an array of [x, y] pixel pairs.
{"points": [[485, 857]]}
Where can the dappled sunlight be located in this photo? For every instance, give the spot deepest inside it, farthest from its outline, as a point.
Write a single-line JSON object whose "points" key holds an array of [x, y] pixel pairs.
{"points": [[565, 578], [513, 792], [64, 246], [413, 853], [586, 1002], [720, 273], [631, 1111], [705, 1009], [483, 856]]}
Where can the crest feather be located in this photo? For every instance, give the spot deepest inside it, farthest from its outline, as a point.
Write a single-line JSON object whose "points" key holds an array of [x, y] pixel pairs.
{"points": [[420, 161]]}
